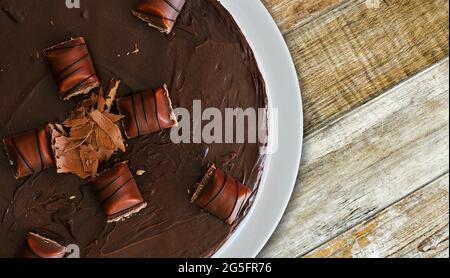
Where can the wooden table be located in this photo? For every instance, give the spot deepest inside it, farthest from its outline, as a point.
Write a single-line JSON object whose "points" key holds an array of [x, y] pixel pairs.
{"points": [[374, 178]]}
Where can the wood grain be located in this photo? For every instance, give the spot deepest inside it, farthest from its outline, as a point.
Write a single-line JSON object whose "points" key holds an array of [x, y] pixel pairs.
{"points": [[417, 226], [355, 53], [367, 160], [290, 14]]}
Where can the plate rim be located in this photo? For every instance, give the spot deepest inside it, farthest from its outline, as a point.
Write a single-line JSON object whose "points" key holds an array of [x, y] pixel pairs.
{"points": [[252, 16]]}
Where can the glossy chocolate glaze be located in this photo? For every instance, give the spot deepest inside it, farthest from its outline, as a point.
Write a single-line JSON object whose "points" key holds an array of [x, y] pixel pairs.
{"points": [[206, 58]]}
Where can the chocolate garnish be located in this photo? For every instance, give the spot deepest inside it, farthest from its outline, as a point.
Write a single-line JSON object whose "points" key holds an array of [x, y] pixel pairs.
{"points": [[29, 152], [221, 195], [160, 14], [37, 246], [147, 112], [72, 68], [118, 193], [88, 137]]}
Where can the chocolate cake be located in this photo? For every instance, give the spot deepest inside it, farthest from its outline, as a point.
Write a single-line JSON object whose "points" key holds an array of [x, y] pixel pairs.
{"points": [[190, 197]]}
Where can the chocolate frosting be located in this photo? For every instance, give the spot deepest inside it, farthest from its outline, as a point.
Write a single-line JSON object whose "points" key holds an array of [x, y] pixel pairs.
{"points": [[206, 57]]}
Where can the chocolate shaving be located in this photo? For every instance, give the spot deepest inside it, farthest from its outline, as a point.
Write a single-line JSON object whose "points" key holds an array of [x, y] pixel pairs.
{"points": [[76, 122], [87, 138], [101, 102], [112, 93], [67, 161], [109, 127]]}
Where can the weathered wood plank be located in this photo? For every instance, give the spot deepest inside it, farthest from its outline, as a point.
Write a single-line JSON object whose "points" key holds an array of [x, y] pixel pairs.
{"points": [[367, 160], [355, 53], [290, 14], [417, 226]]}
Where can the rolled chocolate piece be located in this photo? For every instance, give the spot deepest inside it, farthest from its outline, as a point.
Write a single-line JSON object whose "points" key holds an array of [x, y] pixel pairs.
{"points": [[160, 14], [118, 193], [72, 68], [221, 195], [37, 246], [29, 152], [147, 112]]}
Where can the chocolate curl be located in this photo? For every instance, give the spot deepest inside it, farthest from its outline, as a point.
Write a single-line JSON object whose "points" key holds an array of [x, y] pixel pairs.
{"points": [[160, 14], [118, 193], [72, 68], [29, 152], [112, 93], [37, 246], [147, 112], [221, 195]]}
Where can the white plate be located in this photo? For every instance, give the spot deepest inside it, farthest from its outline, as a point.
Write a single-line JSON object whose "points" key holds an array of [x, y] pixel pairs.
{"points": [[282, 166]]}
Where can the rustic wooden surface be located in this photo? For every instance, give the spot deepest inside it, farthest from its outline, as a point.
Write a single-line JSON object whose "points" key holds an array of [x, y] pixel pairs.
{"points": [[417, 226], [374, 175]]}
